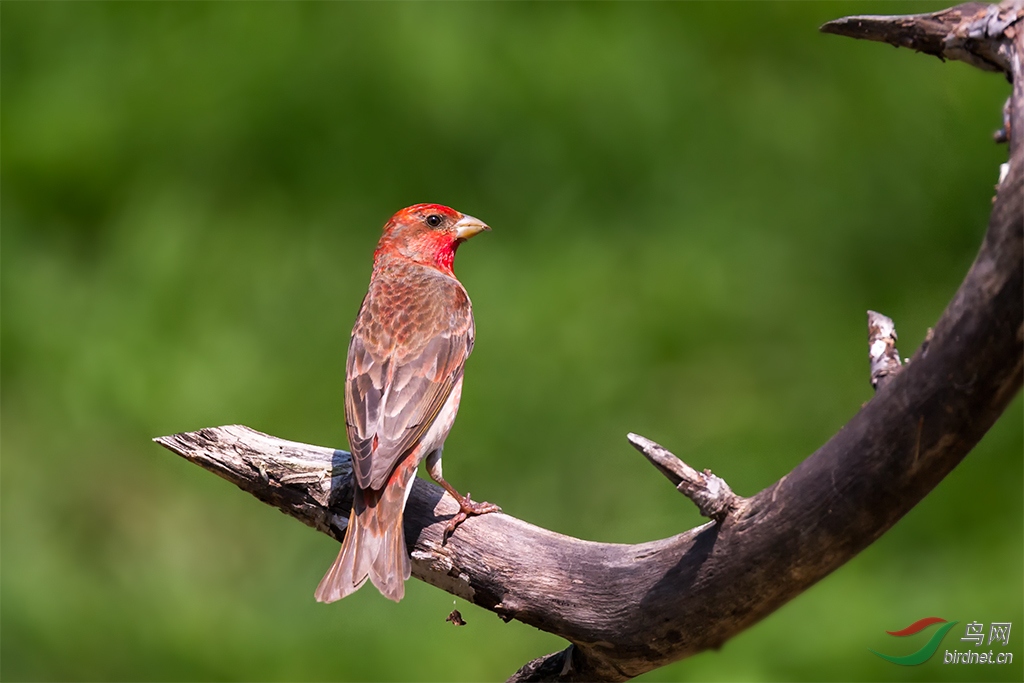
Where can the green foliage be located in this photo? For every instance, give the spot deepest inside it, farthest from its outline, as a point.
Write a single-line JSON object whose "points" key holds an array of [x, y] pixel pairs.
{"points": [[693, 206]]}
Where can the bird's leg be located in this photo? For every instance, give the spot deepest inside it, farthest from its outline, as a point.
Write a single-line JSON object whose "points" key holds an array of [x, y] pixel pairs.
{"points": [[466, 506]]}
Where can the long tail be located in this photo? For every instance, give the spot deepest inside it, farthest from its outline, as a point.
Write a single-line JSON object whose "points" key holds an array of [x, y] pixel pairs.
{"points": [[374, 545]]}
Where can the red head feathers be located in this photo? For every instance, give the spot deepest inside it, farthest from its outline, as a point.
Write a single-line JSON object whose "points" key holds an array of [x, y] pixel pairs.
{"points": [[428, 234]]}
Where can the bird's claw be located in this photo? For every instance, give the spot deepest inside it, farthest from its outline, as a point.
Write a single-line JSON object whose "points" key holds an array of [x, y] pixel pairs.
{"points": [[467, 508]]}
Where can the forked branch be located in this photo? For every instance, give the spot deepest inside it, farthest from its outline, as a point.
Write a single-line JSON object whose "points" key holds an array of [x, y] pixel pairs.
{"points": [[627, 609]]}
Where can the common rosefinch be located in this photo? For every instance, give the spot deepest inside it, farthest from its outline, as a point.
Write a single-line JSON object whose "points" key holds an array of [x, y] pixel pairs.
{"points": [[403, 382]]}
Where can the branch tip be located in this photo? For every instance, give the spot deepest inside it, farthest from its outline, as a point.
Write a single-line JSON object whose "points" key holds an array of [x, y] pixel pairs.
{"points": [[974, 32], [712, 496], [882, 352]]}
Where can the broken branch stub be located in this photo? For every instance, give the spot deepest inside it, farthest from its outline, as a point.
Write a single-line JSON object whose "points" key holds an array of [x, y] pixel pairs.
{"points": [[712, 496], [882, 352]]}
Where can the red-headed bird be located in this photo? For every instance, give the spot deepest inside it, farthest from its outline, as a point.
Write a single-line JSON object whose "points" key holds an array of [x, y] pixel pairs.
{"points": [[403, 382]]}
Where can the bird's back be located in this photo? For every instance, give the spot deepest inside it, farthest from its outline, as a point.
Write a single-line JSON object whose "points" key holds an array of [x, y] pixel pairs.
{"points": [[409, 344]]}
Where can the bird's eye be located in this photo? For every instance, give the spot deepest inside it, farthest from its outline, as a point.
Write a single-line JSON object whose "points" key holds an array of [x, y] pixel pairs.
{"points": [[433, 220]]}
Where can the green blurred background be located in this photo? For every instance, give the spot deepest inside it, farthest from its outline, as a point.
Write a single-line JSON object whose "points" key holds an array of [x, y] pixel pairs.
{"points": [[693, 206]]}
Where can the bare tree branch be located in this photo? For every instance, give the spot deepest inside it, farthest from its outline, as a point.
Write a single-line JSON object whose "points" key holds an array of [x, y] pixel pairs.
{"points": [[627, 609]]}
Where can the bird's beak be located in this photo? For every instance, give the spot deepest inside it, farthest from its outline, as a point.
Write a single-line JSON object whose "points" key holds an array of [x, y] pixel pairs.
{"points": [[469, 226]]}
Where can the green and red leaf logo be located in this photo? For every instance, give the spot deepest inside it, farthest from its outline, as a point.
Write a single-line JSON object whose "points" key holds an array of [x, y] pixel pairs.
{"points": [[929, 648]]}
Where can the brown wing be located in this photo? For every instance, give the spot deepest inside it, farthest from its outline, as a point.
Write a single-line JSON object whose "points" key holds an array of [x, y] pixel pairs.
{"points": [[408, 348]]}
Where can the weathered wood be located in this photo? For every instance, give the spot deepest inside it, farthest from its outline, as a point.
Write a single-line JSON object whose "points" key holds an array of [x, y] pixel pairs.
{"points": [[628, 609], [974, 32], [712, 496], [882, 352]]}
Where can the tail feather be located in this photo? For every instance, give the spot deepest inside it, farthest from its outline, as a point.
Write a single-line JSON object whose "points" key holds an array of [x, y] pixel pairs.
{"points": [[374, 545]]}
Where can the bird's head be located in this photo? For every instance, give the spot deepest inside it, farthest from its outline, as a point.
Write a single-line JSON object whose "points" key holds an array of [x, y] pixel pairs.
{"points": [[428, 234]]}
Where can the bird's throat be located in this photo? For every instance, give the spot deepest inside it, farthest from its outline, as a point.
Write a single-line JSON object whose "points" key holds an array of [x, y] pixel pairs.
{"points": [[435, 250], [446, 256]]}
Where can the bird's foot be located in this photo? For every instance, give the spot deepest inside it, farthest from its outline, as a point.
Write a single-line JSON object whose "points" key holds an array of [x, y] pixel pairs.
{"points": [[467, 508]]}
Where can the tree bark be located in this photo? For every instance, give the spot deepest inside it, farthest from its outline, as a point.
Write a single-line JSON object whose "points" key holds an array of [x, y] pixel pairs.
{"points": [[627, 609]]}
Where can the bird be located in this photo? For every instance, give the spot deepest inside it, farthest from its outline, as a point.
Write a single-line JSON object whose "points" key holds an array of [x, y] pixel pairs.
{"points": [[403, 383]]}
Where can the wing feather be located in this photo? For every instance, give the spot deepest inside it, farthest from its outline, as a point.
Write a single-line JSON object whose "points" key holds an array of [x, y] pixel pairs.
{"points": [[405, 356]]}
